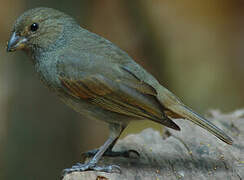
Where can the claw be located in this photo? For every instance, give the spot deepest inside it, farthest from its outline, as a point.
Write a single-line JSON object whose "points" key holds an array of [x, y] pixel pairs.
{"points": [[78, 167], [109, 169], [132, 154], [65, 172], [116, 169]]}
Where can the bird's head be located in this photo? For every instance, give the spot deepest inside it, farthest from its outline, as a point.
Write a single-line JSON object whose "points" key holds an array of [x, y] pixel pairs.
{"points": [[38, 29]]}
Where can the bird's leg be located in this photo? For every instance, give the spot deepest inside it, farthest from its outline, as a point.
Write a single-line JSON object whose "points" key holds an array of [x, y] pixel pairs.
{"points": [[110, 153], [115, 131]]}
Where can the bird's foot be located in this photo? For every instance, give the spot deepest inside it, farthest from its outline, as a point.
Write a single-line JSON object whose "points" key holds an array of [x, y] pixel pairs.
{"points": [[110, 153], [93, 167]]}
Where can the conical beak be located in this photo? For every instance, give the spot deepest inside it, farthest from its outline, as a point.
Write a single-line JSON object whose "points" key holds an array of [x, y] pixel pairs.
{"points": [[15, 42]]}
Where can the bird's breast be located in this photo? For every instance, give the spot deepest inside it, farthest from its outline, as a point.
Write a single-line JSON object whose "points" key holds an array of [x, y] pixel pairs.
{"points": [[47, 73]]}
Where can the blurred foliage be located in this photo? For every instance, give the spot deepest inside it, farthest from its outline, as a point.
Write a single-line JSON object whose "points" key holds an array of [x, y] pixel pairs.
{"points": [[194, 48]]}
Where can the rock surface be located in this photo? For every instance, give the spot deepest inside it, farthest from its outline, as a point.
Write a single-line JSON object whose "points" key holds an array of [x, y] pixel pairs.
{"points": [[191, 153]]}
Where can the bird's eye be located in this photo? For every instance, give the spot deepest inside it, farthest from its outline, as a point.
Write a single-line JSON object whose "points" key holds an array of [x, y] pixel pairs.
{"points": [[34, 27]]}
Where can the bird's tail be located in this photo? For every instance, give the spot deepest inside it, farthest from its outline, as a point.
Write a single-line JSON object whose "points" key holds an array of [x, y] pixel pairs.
{"points": [[177, 109], [189, 114]]}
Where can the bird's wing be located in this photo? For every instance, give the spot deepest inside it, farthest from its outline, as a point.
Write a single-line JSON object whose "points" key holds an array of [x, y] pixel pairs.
{"points": [[173, 107], [134, 99]]}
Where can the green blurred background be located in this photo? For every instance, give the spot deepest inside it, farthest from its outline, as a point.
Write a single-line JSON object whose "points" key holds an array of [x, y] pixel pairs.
{"points": [[194, 48]]}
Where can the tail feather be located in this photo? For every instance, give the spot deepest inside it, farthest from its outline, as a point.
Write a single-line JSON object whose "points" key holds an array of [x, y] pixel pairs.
{"points": [[187, 113]]}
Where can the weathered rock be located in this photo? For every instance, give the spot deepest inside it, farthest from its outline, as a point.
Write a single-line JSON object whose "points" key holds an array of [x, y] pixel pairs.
{"points": [[191, 153]]}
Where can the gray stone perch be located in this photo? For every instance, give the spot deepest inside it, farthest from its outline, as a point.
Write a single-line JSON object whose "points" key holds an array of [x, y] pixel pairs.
{"points": [[191, 153]]}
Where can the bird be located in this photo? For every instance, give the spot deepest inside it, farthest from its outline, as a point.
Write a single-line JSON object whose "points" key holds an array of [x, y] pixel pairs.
{"points": [[97, 79]]}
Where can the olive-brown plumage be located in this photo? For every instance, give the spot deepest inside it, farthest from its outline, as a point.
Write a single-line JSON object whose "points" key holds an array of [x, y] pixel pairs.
{"points": [[96, 78]]}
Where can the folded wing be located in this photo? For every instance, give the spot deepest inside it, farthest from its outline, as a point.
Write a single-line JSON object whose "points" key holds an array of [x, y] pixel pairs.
{"points": [[136, 99]]}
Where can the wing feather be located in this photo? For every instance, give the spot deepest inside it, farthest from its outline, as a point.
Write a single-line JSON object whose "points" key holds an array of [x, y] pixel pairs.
{"points": [[115, 96]]}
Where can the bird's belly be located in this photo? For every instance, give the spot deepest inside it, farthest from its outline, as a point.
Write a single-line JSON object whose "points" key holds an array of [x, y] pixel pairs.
{"points": [[90, 111]]}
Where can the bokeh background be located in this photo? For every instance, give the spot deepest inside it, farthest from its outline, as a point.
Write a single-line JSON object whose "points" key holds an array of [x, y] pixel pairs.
{"points": [[194, 48]]}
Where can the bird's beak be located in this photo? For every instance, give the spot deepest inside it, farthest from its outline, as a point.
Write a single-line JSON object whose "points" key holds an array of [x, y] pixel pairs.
{"points": [[16, 42]]}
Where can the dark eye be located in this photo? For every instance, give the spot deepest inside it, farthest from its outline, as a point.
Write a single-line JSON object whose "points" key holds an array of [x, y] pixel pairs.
{"points": [[34, 27]]}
